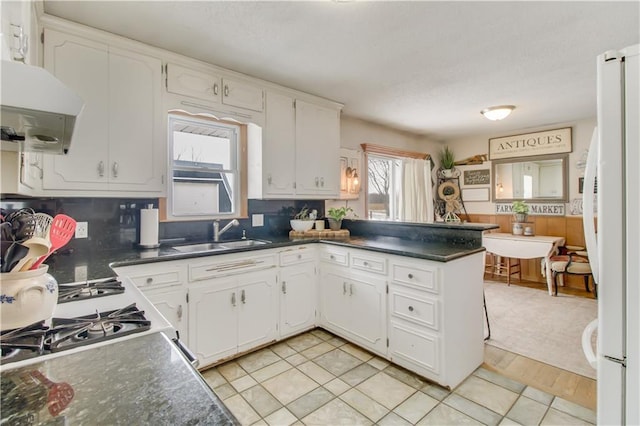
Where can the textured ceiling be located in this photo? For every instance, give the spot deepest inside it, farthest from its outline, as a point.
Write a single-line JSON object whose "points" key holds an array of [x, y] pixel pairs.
{"points": [[424, 67]]}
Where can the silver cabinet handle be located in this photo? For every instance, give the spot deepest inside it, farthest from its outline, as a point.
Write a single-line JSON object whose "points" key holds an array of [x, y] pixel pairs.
{"points": [[344, 288], [215, 88], [179, 312], [233, 299], [284, 287], [366, 263], [317, 181], [243, 298], [410, 308], [332, 257], [269, 180], [149, 280], [299, 256], [322, 182], [101, 169], [226, 90], [410, 276], [115, 169], [351, 289]]}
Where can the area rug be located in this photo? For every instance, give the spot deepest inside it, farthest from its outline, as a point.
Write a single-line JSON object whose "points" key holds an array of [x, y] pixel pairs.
{"points": [[531, 323]]}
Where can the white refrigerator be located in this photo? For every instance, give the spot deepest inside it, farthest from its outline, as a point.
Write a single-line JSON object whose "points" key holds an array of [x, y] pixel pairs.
{"points": [[614, 252]]}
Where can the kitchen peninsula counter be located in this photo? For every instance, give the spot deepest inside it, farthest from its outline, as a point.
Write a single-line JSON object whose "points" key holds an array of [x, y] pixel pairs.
{"points": [[143, 380], [437, 242]]}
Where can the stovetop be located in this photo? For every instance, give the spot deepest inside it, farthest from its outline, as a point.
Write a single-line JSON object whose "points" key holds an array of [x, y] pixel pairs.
{"points": [[93, 313], [89, 290]]}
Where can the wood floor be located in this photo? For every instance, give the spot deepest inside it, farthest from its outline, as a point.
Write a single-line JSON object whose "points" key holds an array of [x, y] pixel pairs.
{"points": [[570, 386]]}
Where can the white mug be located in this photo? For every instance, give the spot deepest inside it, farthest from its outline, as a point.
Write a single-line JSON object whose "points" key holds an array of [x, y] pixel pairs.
{"points": [[320, 225]]}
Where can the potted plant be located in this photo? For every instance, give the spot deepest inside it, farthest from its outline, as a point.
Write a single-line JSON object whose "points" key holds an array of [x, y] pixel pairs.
{"points": [[302, 221], [335, 216], [520, 210], [447, 161]]}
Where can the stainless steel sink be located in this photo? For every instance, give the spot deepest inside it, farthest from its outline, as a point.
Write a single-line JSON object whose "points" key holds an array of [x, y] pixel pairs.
{"points": [[219, 246]]}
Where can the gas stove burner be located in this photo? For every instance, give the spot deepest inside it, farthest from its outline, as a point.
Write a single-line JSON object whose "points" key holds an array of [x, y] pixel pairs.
{"points": [[23, 343], [68, 333], [88, 290]]}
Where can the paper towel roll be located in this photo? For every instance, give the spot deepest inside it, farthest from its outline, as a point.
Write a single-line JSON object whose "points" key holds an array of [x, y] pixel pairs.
{"points": [[149, 227]]}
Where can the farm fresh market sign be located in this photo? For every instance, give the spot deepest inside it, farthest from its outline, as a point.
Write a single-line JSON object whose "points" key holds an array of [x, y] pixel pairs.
{"points": [[529, 144], [535, 209]]}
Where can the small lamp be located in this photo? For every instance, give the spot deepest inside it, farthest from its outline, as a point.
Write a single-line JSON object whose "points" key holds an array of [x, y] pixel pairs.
{"points": [[497, 112], [353, 182]]}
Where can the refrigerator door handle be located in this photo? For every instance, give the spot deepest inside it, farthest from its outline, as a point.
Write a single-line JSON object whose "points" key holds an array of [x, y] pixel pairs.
{"points": [[588, 224], [587, 347]]}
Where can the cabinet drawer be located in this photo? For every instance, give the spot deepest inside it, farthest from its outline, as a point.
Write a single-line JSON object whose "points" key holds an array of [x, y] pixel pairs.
{"points": [[377, 265], [414, 347], [423, 278], [298, 255], [158, 279], [337, 257], [414, 308], [221, 268]]}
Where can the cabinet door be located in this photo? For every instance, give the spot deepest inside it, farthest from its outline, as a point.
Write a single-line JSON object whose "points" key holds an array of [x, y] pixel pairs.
{"points": [[134, 114], [197, 84], [297, 298], [279, 145], [368, 313], [213, 320], [243, 95], [334, 299], [172, 304], [317, 150], [415, 348], [257, 309], [83, 66]]}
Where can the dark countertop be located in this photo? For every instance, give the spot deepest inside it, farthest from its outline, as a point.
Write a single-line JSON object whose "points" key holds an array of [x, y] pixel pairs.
{"points": [[143, 380], [64, 267]]}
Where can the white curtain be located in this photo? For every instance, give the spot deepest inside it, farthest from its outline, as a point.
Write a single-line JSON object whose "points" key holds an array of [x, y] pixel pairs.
{"points": [[416, 202]]}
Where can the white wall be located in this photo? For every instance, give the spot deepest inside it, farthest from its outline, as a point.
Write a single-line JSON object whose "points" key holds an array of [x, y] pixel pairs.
{"points": [[354, 132], [581, 137]]}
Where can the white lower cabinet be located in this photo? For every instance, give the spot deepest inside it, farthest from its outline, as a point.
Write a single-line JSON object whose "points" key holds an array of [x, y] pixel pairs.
{"points": [[164, 285], [232, 314], [423, 315], [354, 306], [172, 304]]}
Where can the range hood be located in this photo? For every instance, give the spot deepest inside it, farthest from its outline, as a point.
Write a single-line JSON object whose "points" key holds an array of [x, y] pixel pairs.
{"points": [[38, 112]]}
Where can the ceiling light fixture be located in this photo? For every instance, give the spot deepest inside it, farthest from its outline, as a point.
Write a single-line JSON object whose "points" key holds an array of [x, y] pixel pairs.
{"points": [[497, 112]]}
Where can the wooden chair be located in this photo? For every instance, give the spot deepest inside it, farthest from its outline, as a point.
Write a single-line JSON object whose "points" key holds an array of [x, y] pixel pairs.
{"points": [[572, 263], [503, 266]]}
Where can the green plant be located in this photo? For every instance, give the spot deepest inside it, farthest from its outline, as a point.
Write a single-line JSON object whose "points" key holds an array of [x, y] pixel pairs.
{"points": [[338, 213], [520, 207], [447, 158], [302, 214]]}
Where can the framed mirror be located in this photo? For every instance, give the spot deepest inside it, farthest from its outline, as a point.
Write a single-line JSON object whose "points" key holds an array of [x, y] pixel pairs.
{"points": [[540, 179]]}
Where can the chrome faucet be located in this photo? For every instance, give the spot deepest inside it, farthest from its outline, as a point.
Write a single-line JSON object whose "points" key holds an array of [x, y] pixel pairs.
{"points": [[217, 231]]}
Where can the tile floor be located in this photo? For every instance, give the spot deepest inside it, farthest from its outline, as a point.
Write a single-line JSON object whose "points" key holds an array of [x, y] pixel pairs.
{"points": [[317, 378]]}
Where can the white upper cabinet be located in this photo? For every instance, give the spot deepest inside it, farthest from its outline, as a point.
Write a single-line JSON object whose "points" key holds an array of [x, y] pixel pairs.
{"points": [[212, 87], [317, 150], [279, 146], [120, 123], [242, 94], [196, 84], [299, 155]]}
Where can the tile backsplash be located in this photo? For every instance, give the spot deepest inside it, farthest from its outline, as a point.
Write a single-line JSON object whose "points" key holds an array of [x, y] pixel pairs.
{"points": [[114, 222]]}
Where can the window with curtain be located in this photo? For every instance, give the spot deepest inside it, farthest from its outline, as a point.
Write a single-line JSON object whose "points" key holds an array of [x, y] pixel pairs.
{"points": [[398, 185]]}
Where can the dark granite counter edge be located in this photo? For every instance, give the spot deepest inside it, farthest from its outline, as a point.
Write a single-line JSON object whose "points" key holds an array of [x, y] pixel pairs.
{"points": [[169, 254]]}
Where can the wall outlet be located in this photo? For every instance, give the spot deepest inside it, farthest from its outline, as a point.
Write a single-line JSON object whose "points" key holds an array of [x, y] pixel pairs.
{"points": [[80, 273], [82, 229], [257, 220]]}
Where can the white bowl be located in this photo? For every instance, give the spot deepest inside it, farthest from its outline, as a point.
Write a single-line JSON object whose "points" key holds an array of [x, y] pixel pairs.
{"points": [[301, 225]]}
